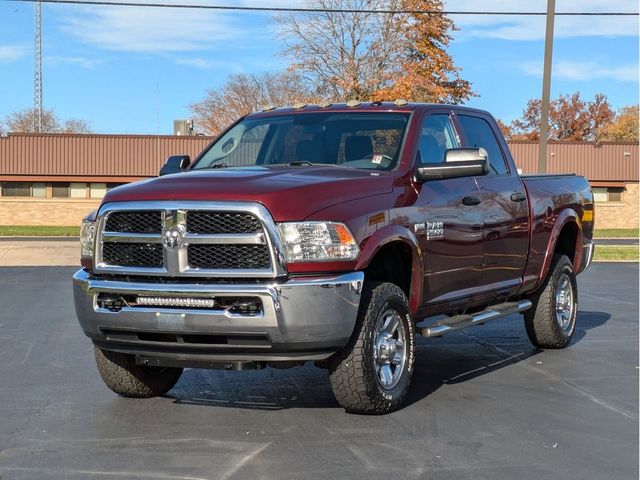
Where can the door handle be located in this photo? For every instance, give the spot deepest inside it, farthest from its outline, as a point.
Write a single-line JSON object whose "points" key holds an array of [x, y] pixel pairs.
{"points": [[518, 197], [471, 200]]}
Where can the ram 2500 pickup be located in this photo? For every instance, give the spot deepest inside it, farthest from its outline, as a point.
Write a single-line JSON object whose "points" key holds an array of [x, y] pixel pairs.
{"points": [[332, 234]]}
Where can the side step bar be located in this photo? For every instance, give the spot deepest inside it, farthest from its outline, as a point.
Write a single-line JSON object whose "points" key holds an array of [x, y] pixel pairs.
{"points": [[459, 322]]}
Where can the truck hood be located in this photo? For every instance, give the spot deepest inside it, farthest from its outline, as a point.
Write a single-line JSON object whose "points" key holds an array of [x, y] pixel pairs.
{"points": [[290, 194]]}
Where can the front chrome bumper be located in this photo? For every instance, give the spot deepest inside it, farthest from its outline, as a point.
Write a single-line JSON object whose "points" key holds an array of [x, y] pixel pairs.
{"points": [[301, 319]]}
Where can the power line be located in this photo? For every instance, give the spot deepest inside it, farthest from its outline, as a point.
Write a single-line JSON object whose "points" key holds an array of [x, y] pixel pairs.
{"points": [[322, 10]]}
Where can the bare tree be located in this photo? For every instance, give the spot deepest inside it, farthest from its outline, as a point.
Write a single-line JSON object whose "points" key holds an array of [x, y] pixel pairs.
{"points": [[75, 125], [366, 55], [24, 121], [242, 94]]}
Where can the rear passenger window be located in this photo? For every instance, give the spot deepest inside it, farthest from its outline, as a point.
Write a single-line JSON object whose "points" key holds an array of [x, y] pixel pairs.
{"points": [[436, 137], [480, 135]]}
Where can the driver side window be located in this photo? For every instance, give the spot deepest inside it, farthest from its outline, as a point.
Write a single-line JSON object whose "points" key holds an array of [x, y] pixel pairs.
{"points": [[437, 135]]}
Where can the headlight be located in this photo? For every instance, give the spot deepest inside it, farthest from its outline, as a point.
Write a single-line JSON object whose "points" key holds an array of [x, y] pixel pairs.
{"points": [[317, 242], [87, 238]]}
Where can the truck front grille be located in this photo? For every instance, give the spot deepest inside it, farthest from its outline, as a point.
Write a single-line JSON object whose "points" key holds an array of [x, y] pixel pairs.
{"points": [[186, 239], [229, 256], [147, 255], [222, 222], [144, 221]]}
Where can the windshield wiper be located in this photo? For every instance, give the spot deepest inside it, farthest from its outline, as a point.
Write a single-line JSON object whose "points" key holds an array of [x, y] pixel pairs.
{"points": [[217, 165]]}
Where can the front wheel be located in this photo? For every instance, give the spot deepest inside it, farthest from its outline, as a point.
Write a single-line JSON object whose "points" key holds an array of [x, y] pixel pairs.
{"points": [[122, 375], [551, 322], [372, 373]]}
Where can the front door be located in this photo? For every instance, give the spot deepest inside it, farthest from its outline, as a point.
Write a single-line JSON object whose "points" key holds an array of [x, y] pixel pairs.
{"points": [[451, 239]]}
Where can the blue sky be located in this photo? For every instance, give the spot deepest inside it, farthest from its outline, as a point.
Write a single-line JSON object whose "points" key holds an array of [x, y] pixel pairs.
{"points": [[134, 70]]}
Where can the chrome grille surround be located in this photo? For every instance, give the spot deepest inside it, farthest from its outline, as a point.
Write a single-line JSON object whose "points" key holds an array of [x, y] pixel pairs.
{"points": [[176, 253]]}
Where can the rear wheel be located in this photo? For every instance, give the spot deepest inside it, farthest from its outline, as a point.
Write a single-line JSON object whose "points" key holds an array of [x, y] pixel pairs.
{"points": [[122, 375], [373, 372], [551, 322]]}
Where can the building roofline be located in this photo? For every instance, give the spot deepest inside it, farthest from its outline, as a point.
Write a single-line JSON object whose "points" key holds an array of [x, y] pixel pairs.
{"points": [[103, 135]]}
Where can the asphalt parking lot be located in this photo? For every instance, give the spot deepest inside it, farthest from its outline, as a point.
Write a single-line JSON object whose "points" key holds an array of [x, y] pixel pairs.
{"points": [[484, 403]]}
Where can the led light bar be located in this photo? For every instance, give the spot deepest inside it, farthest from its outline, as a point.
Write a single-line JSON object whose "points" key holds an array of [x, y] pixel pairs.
{"points": [[176, 302]]}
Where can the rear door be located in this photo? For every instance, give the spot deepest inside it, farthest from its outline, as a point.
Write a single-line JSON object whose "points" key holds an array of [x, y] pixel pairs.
{"points": [[450, 226], [504, 205]]}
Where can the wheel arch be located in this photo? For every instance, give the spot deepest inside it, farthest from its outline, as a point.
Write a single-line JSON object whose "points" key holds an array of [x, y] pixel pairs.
{"points": [[566, 238], [386, 250]]}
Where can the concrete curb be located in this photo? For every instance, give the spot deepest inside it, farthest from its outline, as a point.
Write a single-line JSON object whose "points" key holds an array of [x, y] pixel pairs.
{"points": [[615, 238], [615, 261], [39, 239]]}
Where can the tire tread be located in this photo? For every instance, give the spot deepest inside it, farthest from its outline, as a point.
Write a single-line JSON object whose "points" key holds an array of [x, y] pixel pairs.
{"points": [[121, 374], [353, 384], [540, 324]]}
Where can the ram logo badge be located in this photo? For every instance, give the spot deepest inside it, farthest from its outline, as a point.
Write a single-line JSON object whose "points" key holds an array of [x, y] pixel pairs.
{"points": [[172, 238]]}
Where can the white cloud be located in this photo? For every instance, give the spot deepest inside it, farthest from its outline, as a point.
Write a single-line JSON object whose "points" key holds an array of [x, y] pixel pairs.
{"points": [[584, 71], [533, 27], [197, 62], [11, 53], [84, 62], [151, 30], [160, 30]]}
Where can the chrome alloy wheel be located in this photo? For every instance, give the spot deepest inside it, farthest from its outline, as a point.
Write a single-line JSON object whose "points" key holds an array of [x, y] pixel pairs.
{"points": [[564, 301], [389, 349]]}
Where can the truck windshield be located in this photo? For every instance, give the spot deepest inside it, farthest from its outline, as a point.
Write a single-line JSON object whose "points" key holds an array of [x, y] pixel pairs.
{"points": [[353, 139]]}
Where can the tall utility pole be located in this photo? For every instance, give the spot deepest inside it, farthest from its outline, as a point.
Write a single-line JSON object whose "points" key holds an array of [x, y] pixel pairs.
{"points": [[37, 73], [546, 86]]}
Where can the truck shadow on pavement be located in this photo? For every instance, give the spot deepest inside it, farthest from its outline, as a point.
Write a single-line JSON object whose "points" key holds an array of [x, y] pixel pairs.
{"points": [[453, 359]]}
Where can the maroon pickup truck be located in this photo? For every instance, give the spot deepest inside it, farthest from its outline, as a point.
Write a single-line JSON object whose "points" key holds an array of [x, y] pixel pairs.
{"points": [[334, 234]]}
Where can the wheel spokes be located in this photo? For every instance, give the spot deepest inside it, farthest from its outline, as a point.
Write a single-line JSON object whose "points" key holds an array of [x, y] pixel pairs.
{"points": [[390, 325], [386, 376], [397, 359]]}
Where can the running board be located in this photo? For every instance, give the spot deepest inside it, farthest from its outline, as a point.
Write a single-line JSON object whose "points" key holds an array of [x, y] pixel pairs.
{"points": [[459, 322]]}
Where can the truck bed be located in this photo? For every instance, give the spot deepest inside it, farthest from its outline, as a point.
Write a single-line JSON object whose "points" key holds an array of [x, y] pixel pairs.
{"points": [[550, 197]]}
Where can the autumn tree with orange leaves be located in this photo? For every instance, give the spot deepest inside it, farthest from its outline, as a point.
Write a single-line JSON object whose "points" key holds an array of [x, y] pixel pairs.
{"points": [[624, 127], [374, 56], [570, 118], [426, 72]]}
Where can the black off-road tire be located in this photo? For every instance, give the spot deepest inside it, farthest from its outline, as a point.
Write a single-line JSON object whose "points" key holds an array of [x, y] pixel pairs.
{"points": [[121, 374], [543, 330], [352, 372]]}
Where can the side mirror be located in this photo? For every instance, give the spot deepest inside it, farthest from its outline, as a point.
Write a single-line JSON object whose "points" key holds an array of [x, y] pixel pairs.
{"points": [[458, 162], [175, 164]]}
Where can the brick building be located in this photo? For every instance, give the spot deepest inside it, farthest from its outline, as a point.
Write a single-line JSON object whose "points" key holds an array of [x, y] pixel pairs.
{"points": [[53, 179]]}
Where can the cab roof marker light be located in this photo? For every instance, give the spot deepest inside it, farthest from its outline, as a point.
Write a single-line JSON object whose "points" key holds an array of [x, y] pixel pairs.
{"points": [[298, 106], [325, 104], [353, 103], [401, 102], [268, 108]]}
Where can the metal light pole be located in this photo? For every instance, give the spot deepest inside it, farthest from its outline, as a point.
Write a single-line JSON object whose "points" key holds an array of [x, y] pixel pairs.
{"points": [[546, 86]]}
